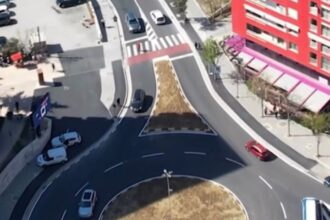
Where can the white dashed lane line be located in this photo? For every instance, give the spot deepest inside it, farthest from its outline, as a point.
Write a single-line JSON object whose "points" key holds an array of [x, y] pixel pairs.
{"points": [[265, 181], [152, 155], [196, 153], [283, 209], [63, 215], [234, 161], [112, 167], [77, 193]]}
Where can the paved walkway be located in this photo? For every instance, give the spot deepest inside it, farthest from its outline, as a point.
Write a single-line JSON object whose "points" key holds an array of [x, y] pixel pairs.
{"points": [[19, 84], [300, 139]]}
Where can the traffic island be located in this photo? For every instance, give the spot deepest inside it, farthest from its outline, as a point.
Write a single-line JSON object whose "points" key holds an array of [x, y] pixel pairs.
{"points": [[172, 111], [190, 199]]}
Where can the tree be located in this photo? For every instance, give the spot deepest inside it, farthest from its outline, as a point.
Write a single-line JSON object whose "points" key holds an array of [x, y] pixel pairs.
{"points": [[13, 45], [318, 123], [210, 51], [181, 5], [259, 87]]}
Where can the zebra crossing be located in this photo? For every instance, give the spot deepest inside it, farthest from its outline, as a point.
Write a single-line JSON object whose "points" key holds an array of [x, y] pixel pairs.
{"points": [[155, 44], [150, 32]]}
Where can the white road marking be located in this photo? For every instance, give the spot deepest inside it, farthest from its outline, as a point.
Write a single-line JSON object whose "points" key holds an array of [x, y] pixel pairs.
{"points": [[196, 153], [114, 166], [176, 42], [162, 41], [168, 39], [135, 50], [77, 193], [180, 38], [129, 52], [181, 56], [155, 45], [234, 161], [64, 213], [152, 155], [136, 39], [146, 45], [141, 48], [283, 209], [270, 187]]}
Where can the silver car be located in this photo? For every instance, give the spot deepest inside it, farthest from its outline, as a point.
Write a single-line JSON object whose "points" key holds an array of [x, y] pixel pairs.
{"points": [[87, 203], [132, 22]]}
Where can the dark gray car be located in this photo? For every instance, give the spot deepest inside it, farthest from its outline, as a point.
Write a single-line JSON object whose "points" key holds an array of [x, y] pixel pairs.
{"points": [[4, 15], [138, 100], [132, 22]]}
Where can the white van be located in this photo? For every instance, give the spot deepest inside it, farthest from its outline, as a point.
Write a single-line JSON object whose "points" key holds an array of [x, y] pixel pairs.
{"points": [[52, 156]]}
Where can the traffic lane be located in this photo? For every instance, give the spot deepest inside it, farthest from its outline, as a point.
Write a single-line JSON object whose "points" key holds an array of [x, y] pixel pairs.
{"points": [[142, 76], [161, 30], [198, 95], [285, 175], [123, 7]]}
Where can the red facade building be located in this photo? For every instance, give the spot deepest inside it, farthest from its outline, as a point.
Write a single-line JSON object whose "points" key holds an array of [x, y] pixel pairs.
{"points": [[298, 30]]}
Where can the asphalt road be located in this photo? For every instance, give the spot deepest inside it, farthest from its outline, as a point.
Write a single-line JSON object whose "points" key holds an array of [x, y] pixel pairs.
{"points": [[125, 158]]}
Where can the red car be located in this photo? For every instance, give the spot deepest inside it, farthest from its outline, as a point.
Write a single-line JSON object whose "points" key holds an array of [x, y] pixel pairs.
{"points": [[257, 150]]}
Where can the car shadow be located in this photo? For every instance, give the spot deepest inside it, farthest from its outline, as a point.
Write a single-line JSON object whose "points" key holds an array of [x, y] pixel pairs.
{"points": [[167, 20], [148, 100], [142, 24]]}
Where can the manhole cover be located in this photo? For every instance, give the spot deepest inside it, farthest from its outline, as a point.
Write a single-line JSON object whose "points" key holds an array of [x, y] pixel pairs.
{"points": [[268, 126]]}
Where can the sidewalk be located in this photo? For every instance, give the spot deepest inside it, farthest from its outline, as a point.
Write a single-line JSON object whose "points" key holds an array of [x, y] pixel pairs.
{"points": [[28, 84], [301, 139]]}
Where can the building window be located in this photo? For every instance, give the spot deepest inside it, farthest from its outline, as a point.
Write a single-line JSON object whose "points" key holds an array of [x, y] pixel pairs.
{"points": [[312, 43], [325, 31], [325, 49], [293, 13], [313, 8], [326, 14], [313, 58], [325, 63], [313, 25], [293, 47]]}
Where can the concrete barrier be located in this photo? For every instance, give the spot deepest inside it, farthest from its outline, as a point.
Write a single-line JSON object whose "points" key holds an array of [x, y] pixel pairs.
{"points": [[25, 156]]}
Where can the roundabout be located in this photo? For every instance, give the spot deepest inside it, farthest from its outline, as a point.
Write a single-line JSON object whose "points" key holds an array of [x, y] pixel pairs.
{"points": [[177, 197]]}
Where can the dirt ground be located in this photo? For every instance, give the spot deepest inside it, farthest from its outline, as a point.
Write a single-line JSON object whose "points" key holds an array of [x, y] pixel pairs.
{"points": [[191, 199], [171, 109], [206, 6]]}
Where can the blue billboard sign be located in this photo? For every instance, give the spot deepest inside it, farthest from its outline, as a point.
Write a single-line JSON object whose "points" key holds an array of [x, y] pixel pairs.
{"points": [[41, 110]]}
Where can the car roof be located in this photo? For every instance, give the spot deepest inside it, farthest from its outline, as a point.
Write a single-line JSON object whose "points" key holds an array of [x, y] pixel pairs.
{"points": [[55, 152], [71, 134], [3, 7], [157, 13], [257, 145]]}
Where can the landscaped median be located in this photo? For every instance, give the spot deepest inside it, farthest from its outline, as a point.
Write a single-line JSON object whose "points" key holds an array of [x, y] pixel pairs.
{"points": [[172, 112], [190, 199]]}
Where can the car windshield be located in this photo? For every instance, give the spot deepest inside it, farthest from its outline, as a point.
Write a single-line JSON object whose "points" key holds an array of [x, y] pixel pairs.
{"points": [[132, 21], [62, 138], [46, 157], [85, 204]]}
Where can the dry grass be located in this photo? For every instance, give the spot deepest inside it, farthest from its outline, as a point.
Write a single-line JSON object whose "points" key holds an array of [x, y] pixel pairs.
{"points": [[192, 199], [171, 110], [207, 4]]}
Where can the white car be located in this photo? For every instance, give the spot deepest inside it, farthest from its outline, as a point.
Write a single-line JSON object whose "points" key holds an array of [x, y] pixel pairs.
{"points": [[87, 203], [158, 17], [69, 138], [52, 156]]}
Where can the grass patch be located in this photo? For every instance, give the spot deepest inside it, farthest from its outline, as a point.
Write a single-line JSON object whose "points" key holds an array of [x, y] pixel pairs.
{"points": [[207, 5], [191, 199], [172, 109]]}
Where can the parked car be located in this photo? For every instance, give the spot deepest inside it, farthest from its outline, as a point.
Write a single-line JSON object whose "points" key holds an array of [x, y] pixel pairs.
{"points": [[69, 138], [158, 17], [257, 150], [52, 156], [87, 203], [4, 15], [68, 3], [5, 2], [132, 22], [326, 181], [138, 100]]}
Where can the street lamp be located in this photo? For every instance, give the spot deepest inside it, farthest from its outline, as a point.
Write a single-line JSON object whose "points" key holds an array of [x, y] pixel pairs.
{"points": [[168, 174]]}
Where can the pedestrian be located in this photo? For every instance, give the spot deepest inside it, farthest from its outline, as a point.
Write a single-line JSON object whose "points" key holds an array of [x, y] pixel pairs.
{"points": [[118, 101], [196, 45], [276, 114], [138, 46], [53, 67], [17, 106], [266, 111]]}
